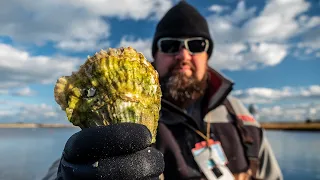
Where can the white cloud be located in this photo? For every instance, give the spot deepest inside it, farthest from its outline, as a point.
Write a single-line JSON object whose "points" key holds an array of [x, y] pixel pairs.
{"points": [[233, 49], [313, 90], [24, 92], [141, 45], [4, 91], [50, 21], [277, 21], [81, 45], [259, 95], [241, 13], [262, 39], [296, 112], [290, 8], [283, 105], [72, 25], [123, 9], [217, 8], [18, 68], [228, 53], [223, 31], [309, 22], [86, 37], [31, 113], [267, 54], [237, 56], [311, 40], [160, 7]]}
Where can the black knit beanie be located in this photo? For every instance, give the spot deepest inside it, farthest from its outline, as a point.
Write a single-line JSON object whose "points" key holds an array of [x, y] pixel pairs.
{"points": [[182, 20]]}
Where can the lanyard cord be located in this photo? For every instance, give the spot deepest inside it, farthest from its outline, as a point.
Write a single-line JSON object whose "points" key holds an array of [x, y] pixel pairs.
{"points": [[168, 105], [208, 132], [199, 132]]}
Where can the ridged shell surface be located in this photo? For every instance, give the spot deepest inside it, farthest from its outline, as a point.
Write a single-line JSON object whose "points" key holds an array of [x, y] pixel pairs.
{"points": [[113, 86]]}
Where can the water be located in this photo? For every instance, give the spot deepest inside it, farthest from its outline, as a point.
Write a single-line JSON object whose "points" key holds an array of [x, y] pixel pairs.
{"points": [[297, 153], [26, 154]]}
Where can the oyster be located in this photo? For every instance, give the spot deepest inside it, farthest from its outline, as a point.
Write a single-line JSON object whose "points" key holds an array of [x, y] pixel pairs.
{"points": [[113, 86]]}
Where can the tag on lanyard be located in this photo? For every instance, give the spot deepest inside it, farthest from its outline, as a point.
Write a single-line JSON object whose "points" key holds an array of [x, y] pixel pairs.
{"points": [[212, 160]]}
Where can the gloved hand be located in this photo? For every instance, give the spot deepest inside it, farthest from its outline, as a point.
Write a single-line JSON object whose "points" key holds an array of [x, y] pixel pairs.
{"points": [[119, 151]]}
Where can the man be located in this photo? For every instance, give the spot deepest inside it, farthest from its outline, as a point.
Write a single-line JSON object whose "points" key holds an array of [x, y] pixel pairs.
{"points": [[197, 112], [181, 48]]}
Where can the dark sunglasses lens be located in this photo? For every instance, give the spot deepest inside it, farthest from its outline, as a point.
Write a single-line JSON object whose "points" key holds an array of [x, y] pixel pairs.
{"points": [[170, 46], [197, 46]]}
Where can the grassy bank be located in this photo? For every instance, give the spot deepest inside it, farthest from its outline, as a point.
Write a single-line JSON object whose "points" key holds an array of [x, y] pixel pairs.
{"points": [[299, 126], [34, 125]]}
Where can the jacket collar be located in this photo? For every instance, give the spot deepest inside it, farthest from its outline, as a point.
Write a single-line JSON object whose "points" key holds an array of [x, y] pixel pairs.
{"points": [[219, 87]]}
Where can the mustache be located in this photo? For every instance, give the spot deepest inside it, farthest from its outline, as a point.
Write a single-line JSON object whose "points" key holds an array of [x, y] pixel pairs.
{"points": [[180, 64]]}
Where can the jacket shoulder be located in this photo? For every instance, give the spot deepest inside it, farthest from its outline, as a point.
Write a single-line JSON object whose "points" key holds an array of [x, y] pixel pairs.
{"points": [[242, 112]]}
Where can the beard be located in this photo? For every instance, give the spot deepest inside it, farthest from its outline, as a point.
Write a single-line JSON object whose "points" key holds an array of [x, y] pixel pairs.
{"points": [[182, 90]]}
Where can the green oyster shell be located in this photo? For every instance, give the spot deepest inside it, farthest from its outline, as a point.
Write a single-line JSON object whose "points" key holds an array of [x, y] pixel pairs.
{"points": [[113, 86]]}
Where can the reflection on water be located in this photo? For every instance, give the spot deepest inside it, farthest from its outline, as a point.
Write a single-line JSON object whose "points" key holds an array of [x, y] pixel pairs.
{"points": [[26, 154], [297, 153]]}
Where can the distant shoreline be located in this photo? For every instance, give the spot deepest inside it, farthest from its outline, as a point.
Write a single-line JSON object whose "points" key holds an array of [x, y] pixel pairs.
{"points": [[298, 126], [35, 125]]}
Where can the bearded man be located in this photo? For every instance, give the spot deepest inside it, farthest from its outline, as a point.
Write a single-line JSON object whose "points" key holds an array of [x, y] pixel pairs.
{"points": [[198, 102]]}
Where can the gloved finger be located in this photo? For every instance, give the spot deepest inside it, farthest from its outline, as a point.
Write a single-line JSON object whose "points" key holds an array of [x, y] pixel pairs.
{"points": [[144, 165], [91, 144]]}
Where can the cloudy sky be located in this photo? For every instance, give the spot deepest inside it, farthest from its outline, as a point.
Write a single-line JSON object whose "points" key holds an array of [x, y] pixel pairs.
{"points": [[271, 49]]}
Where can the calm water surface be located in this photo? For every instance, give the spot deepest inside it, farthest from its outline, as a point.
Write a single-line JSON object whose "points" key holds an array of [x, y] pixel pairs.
{"points": [[26, 154]]}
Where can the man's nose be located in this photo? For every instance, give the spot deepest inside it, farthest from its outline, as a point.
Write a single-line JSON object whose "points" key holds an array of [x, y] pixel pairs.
{"points": [[183, 54]]}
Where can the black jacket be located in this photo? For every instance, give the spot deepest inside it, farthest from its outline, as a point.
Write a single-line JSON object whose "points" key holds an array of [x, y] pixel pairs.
{"points": [[240, 135]]}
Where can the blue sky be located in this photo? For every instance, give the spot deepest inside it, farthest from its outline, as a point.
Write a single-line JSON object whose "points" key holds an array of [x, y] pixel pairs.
{"points": [[271, 49]]}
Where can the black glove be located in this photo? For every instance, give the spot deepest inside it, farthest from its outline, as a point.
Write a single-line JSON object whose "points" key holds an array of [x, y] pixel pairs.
{"points": [[119, 151]]}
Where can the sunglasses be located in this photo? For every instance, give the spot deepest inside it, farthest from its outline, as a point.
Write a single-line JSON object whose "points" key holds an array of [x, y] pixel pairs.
{"points": [[173, 45]]}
